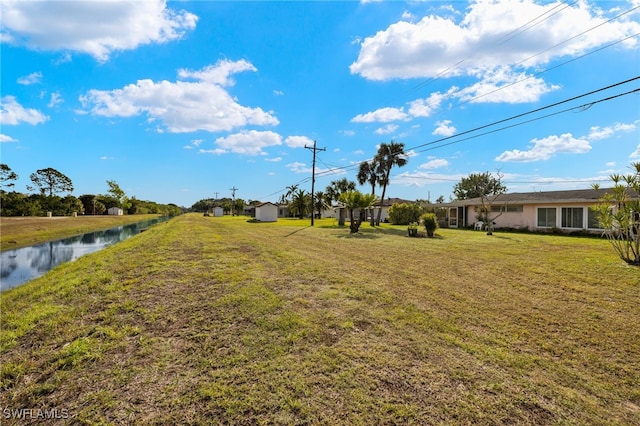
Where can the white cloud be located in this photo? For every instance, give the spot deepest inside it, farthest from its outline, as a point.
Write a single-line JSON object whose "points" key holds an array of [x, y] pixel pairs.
{"points": [[635, 154], [55, 100], [426, 107], [597, 132], [444, 128], [485, 39], [33, 78], [421, 179], [217, 151], [273, 160], [218, 74], [545, 148], [389, 128], [249, 142], [298, 141], [12, 113], [382, 115], [299, 167], [278, 93], [6, 138], [499, 85], [434, 164], [347, 132], [92, 27], [183, 106]]}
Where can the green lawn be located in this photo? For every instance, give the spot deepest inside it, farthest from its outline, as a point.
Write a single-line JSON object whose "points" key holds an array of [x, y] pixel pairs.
{"points": [[205, 320]]}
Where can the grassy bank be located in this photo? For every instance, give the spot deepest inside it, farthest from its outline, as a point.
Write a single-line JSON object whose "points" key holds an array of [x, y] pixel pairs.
{"points": [[215, 320], [18, 232]]}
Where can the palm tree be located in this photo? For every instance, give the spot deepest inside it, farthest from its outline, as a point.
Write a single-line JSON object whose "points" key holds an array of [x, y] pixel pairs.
{"points": [[369, 172], [300, 203], [320, 202], [290, 191], [357, 200], [336, 188], [388, 155]]}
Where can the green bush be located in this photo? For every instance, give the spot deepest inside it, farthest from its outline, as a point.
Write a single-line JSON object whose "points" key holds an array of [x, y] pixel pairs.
{"points": [[404, 214], [430, 222]]}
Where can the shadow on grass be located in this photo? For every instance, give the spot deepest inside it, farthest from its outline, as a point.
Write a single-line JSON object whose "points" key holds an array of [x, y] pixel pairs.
{"points": [[296, 231]]}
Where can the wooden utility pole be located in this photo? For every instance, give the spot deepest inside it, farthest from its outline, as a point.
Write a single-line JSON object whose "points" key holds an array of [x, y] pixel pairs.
{"points": [[313, 177], [233, 197]]}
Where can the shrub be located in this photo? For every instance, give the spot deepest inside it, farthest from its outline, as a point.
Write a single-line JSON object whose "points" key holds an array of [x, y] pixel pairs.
{"points": [[404, 214], [430, 222]]}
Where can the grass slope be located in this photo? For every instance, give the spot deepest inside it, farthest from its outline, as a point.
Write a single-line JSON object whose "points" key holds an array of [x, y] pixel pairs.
{"points": [[16, 232], [216, 320]]}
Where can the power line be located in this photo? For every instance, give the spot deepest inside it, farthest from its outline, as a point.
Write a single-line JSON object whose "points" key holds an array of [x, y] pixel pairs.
{"points": [[512, 118], [586, 105]]}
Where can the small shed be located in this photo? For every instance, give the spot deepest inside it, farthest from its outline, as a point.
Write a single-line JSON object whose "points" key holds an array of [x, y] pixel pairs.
{"points": [[218, 212], [267, 212], [115, 211]]}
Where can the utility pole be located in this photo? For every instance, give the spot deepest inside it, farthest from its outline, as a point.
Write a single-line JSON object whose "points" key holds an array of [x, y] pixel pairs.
{"points": [[313, 176], [233, 196]]}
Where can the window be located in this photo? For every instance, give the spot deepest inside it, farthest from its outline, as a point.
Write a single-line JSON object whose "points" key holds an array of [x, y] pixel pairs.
{"points": [[572, 217], [546, 217], [592, 220], [507, 208]]}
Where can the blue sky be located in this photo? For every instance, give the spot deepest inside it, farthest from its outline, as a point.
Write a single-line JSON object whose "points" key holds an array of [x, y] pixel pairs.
{"points": [[180, 101]]}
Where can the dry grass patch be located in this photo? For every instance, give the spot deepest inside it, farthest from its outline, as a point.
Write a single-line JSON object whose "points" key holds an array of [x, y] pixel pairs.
{"points": [[204, 320]]}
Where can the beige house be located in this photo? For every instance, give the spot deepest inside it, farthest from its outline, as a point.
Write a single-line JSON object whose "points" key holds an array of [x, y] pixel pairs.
{"points": [[567, 211]]}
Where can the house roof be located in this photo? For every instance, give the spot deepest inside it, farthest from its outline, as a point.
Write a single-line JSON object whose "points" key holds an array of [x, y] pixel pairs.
{"points": [[266, 204], [568, 196], [392, 201]]}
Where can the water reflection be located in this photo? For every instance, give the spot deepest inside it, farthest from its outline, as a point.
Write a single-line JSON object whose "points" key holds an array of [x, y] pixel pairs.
{"points": [[21, 265]]}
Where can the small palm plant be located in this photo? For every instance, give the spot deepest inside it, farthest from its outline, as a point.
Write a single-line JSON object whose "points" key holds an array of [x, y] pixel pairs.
{"points": [[356, 200], [430, 223]]}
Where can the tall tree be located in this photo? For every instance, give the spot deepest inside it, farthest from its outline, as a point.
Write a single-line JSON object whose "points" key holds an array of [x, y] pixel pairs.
{"points": [[486, 187], [6, 176], [291, 189], [320, 202], [300, 203], [50, 181], [369, 172], [619, 213], [118, 193], [478, 185], [388, 156]]}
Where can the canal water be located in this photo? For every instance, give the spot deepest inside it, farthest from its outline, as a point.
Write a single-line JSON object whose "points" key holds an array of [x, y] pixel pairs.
{"points": [[24, 264]]}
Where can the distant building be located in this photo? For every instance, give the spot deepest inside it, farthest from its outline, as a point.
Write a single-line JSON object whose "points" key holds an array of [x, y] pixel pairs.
{"points": [[115, 211], [218, 212], [267, 212]]}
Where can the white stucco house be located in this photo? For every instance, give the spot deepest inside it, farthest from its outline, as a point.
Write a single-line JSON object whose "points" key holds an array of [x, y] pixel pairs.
{"points": [[267, 212], [115, 211]]}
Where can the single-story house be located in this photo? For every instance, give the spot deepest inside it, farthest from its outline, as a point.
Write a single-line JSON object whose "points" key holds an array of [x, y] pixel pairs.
{"points": [[267, 212], [218, 212], [536, 211], [115, 211]]}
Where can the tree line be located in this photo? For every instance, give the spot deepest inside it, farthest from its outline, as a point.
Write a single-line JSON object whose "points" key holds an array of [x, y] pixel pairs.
{"points": [[50, 191]]}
